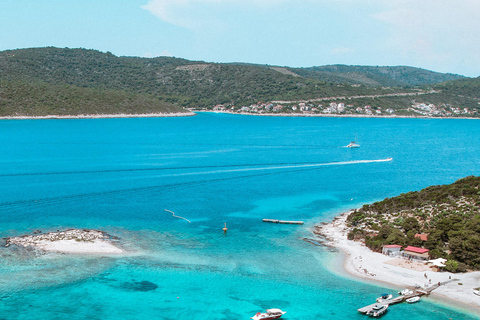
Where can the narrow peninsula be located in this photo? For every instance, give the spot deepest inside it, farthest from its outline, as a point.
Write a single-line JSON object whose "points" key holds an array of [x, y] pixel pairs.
{"points": [[415, 240]]}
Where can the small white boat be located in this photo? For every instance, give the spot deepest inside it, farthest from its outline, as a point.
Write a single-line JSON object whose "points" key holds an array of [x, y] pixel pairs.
{"points": [[377, 310], [413, 300], [384, 297], [477, 292], [405, 292], [352, 144], [269, 314]]}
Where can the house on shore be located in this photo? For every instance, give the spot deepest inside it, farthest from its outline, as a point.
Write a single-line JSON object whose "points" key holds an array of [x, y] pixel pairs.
{"points": [[416, 253], [391, 249]]}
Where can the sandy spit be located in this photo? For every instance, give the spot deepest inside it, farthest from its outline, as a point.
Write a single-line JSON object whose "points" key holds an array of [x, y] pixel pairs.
{"points": [[362, 262]]}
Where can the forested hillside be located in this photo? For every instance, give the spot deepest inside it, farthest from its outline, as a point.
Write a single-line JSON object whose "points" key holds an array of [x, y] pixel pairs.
{"points": [[399, 76], [165, 81], [448, 214], [187, 83], [42, 99]]}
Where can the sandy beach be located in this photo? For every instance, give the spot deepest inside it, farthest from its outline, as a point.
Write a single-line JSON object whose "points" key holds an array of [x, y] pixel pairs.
{"points": [[101, 116], [362, 262], [73, 241]]}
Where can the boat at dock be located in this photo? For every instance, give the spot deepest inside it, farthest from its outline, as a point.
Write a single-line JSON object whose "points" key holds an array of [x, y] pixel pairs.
{"points": [[384, 297], [377, 310], [413, 299], [405, 292], [269, 314]]}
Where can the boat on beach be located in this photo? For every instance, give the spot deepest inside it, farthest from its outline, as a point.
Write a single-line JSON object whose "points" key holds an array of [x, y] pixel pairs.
{"points": [[477, 292], [269, 314], [377, 310]]}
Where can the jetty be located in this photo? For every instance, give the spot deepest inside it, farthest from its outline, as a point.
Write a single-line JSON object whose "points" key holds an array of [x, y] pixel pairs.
{"points": [[282, 221], [416, 293]]}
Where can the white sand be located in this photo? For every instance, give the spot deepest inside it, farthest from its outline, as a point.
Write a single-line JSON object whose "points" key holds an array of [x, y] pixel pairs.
{"points": [[101, 116], [97, 246], [70, 241], [362, 262]]}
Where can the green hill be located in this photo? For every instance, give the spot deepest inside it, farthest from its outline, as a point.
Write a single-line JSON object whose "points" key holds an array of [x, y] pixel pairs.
{"points": [[399, 76], [187, 83], [449, 214], [42, 99], [198, 84]]}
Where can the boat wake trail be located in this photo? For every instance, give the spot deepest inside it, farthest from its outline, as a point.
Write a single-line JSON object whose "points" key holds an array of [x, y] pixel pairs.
{"points": [[247, 167], [278, 167], [255, 173]]}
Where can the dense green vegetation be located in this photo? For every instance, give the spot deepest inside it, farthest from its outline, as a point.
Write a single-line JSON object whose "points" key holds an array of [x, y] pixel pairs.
{"points": [[375, 76], [449, 214], [42, 99], [187, 83], [197, 84]]}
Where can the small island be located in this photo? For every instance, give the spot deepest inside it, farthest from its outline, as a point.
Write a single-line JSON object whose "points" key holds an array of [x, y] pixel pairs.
{"points": [[416, 240], [78, 241]]}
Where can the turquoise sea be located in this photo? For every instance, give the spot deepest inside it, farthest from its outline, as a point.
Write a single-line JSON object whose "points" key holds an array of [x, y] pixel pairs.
{"points": [[119, 175]]}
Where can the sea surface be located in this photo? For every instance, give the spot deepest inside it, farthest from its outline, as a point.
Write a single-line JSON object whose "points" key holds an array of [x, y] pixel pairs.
{"points": [[119, 175]]}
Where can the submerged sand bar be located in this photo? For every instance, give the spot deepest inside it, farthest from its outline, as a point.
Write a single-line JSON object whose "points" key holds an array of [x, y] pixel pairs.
{"points": [[70, 241]]}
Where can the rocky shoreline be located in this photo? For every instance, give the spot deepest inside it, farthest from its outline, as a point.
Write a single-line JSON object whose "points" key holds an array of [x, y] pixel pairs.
{"points": [[68, 241]]}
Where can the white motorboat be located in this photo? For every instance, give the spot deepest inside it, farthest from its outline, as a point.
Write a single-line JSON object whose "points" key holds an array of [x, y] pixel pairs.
{"points": [[377, 310], [384, 297], [405, 292], [477, 292], [269, 314], [413, 300], [352, 144]]}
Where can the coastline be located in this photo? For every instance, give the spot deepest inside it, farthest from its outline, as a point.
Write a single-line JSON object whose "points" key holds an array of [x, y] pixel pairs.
{"points": [[74, 241], [359, 261], [314, 115], [194, 112], [100, 116]]}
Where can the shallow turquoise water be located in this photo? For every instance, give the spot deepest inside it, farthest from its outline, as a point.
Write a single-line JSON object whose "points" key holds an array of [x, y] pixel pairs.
{"points": [[119, 175]]}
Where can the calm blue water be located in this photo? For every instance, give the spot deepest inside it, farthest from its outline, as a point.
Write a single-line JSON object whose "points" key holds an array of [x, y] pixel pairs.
{"points": [[119, 175]]}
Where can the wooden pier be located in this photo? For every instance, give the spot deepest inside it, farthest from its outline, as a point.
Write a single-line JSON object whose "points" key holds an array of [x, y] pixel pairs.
{"points": [[282, 221], [416, 293], [396, 300]]}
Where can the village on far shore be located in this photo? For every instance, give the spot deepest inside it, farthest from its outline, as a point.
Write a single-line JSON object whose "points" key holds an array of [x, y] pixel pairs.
{"points": [[340, 108]]}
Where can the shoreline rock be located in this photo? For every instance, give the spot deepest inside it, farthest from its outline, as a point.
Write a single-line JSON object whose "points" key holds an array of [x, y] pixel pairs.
{"points": [[68, 241]]}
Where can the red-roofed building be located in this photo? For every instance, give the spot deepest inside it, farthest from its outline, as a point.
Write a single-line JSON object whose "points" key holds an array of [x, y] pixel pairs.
{"points": [[416, 253], [422, 236], [391, 249]]}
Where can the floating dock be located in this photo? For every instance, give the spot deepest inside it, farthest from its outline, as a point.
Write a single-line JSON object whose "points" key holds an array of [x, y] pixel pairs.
{"points": [[392, 301], [282, 221], [416, 293]]}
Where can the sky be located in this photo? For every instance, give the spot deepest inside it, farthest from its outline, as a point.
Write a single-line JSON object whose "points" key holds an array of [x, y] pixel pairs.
{"points": [[438, 35]]}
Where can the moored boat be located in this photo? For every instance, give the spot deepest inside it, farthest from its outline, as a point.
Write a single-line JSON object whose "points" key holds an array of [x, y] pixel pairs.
{"points": [[413, 300], [477, 292], [269, 314], [377, 310], [405, 292], [384, 297]]}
